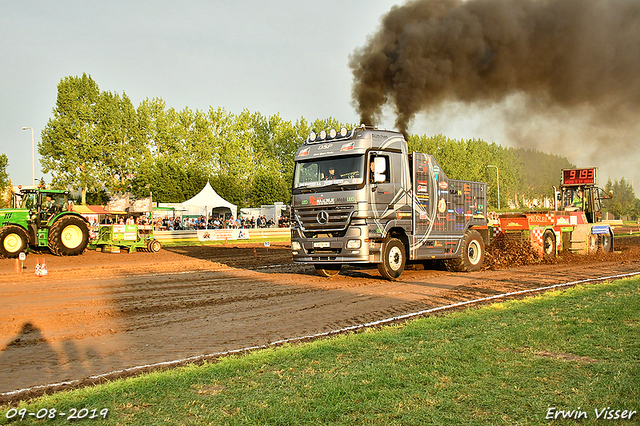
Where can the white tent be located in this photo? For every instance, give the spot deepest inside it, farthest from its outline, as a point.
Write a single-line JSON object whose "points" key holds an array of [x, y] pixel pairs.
{"points": [[207, 200]]}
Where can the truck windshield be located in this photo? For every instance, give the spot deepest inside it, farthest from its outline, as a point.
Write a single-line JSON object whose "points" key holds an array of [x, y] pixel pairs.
{"points": [[347, 170]]}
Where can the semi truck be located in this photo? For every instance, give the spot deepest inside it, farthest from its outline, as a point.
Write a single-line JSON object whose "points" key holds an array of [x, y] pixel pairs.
{"points": [[360, 197]]}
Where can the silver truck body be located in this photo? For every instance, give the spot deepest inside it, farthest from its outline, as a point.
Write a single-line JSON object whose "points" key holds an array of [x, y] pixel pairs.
{"points": [[348, 216]]}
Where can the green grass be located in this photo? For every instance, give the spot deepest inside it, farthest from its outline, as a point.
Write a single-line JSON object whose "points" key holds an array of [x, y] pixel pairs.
{"points": [[504, 364]]}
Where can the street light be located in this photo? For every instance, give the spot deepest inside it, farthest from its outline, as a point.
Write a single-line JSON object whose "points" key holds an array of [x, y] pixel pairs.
{"points": [[33, 157], [498, 181]]}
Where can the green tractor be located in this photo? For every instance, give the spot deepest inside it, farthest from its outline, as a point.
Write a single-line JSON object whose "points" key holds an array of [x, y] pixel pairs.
{"points": [[42, 218]]}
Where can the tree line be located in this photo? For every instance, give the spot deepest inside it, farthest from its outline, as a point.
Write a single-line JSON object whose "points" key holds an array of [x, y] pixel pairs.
{"points": [[99, 143]]}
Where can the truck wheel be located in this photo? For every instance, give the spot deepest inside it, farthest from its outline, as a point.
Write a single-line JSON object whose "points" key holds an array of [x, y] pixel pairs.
{"points": [[327, 270], [472, 256], [605, 243], [13, 240], [68, 236], [549, 245], [393, 259]]}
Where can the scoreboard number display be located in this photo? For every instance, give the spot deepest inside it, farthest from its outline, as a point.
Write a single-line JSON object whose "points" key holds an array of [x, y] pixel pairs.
{"points": [[580, 176]]}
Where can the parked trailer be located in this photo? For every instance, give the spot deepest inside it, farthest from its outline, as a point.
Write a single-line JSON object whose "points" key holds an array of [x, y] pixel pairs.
{"points": [[112, 238]]}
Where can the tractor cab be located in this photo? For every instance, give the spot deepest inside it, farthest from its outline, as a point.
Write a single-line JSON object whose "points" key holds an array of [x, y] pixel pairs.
{"points": [[43, 204], [578, 192]]}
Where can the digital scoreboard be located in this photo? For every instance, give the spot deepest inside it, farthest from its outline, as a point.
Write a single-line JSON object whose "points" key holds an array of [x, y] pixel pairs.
{"points": [[575, 177]]}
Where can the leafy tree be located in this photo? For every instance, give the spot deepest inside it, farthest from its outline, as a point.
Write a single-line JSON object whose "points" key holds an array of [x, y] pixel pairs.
{"points": [[157, 127], [635, 211], [5, 182], [622, 201], [268, 187], [123, 142], [231, 188], [540, 171], [97, 198], [72, 146], [167, 181]]}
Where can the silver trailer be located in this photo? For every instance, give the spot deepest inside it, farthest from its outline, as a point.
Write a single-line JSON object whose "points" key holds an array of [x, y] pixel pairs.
{"points": [[359, 197]]}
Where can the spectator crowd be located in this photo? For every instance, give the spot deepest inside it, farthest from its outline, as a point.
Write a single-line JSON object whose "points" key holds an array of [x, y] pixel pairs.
{"points": [[194, 223]]}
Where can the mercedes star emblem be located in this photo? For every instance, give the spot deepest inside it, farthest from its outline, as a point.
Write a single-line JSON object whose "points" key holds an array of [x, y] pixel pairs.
{"points": [[322, 217]]}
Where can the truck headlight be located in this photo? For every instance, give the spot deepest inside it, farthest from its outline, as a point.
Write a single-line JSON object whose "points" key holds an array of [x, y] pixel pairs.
{"points": [[354, 244], [295, 245]]}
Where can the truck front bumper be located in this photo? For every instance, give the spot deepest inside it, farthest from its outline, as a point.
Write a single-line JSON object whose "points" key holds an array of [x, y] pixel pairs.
{"points": [[354, 247]]}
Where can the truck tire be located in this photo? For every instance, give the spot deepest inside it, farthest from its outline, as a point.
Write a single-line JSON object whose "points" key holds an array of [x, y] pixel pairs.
{"points": [[472, 256], [549, 245], [68, 236], [605, 243], [154, 246], [327, 271], [13, 240], [393, 259]]}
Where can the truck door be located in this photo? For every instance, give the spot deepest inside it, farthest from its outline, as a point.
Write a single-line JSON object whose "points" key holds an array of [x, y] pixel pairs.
{"points": [[382, 184]]}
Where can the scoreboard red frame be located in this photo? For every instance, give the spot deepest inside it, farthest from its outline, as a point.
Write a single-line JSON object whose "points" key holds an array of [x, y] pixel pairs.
{"points": [[577, 177]]}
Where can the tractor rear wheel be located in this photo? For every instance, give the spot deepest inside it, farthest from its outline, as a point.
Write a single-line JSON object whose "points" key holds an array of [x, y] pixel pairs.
{"points": [[13, 240], [68, 236]]}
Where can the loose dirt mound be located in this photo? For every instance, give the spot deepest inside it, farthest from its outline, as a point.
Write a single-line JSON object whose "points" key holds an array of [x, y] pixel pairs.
{"points": [[505, 253], [509, 252]]}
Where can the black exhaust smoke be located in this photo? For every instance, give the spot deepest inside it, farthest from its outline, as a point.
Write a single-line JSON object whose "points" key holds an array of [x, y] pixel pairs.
{"points": [[568, 54]]}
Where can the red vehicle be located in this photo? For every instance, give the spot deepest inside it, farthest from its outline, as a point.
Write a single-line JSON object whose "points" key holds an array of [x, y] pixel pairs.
{"points": [[575, 227]]}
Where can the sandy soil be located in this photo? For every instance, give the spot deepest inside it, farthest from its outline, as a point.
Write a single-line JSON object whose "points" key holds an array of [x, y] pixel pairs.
{"points": [[100, 313]]}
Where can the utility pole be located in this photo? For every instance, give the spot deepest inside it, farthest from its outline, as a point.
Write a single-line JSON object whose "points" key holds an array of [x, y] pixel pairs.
{"points": [[498, 183], [33, 156]]}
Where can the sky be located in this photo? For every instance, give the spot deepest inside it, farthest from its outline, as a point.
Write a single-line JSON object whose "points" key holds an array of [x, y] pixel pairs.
{"points": [[283, 57]]}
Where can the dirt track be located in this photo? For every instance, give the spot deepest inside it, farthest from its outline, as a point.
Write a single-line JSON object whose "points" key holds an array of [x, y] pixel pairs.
{"points": [[99, 313]]}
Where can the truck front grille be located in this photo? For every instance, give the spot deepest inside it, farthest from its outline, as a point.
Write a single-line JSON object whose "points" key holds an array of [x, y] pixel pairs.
{"points": [[330, 220]]}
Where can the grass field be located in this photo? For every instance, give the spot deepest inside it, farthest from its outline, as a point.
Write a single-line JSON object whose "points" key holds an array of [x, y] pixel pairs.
{"points": [[573, 352]]}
